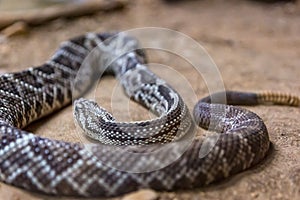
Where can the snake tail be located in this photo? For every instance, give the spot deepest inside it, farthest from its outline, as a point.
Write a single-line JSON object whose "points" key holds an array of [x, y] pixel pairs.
{"points": [[251, 98]]}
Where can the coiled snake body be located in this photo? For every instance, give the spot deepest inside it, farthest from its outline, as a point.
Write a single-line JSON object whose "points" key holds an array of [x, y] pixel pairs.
{"points": [[60, 168]]}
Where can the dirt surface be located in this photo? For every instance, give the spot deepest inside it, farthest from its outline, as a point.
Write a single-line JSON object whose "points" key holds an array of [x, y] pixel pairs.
{"points": [[255, 46]]}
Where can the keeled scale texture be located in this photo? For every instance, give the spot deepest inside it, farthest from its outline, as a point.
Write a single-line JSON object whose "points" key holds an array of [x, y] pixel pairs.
{"points": [[60, 168]]}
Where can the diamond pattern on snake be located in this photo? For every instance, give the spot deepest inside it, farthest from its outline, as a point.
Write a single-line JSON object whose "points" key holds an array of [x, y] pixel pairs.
{"points": [[54, 167]]}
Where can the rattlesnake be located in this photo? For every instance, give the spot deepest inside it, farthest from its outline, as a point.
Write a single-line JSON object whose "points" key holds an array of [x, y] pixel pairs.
{"points": [[61, 168]]}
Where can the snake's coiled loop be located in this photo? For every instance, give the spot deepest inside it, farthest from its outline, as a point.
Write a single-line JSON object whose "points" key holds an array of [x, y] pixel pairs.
{"points": [[61, 168]]}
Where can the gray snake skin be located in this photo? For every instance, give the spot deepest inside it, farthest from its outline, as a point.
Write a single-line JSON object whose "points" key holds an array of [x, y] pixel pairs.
{"points": [[142, 86], [60, 168]]}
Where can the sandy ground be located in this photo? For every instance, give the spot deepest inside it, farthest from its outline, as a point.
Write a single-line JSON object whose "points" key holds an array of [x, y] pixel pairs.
{"points": [[255, 47]]}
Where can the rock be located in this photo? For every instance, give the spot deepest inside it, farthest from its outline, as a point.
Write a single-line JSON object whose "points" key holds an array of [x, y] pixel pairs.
{"points": [[144, 194], [15, 29]]}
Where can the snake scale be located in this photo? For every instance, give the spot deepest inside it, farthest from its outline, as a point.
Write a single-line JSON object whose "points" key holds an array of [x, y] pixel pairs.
{"points": [[61, 168]]}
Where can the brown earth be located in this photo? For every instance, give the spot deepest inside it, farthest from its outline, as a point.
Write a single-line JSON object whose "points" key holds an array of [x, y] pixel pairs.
{"points": [[255, 46]]}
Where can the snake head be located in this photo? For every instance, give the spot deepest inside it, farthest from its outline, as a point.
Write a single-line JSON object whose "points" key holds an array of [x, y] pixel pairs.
{"points": [[85, 110]]}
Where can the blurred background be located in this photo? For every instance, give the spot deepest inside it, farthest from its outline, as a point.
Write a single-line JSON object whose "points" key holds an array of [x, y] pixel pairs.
{"points": [[6, 5], [254, 43]]}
